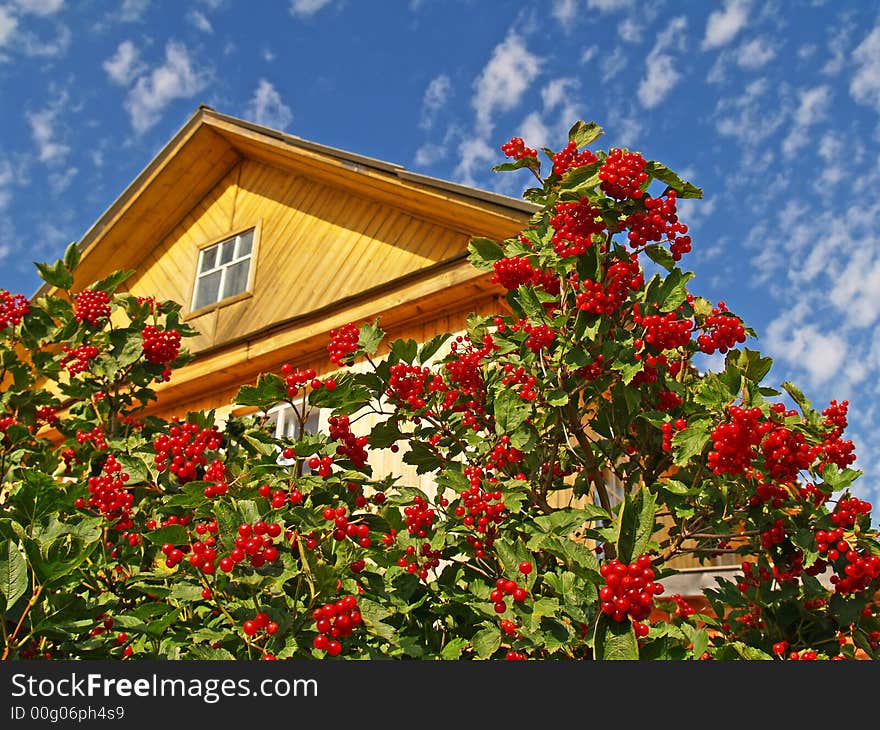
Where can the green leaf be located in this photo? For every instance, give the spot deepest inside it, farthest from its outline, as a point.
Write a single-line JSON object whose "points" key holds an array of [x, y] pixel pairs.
{"points": [[453, 648], [72, 256], [111, 282], [486, 642], [797, 396], [423, 457], [403, 351], [370, 337], [55, 275], [431, 347], [510, 411], [635, 524], [665, 175], [690, 442], [207, 653], [483, 253], [614, 640], [659, 255], [174, 534], [749, 652], [584, 133], [268, 391], [13, 574]]}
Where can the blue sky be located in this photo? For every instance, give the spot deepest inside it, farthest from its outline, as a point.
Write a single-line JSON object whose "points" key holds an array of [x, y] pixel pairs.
{"points": [[771, 106]]}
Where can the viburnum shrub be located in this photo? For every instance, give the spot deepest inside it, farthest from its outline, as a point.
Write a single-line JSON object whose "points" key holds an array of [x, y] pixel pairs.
{"points": [[573, 444]]}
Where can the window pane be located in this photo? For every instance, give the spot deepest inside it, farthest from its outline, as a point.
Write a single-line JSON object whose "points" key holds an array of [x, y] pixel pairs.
{"points": [[227, 250], [209, 259], [207, 289], [245, 243], [236, 278]]}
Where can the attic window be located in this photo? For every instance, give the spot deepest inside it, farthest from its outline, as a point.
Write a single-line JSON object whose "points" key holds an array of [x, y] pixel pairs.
{"points": [[224, 269]]}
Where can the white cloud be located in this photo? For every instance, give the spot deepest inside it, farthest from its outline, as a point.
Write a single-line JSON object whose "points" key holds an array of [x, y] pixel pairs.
{"points": [[132, 11], [749, 116], [723, 25], [429, 154], [558, 92], [8, 24], [865, 83], [175, 78], [755, 53], [267, 108], [805, 347], [307, 8], [435, 98], [124, 65], [39, 7], [504, 80], [613, 64], [474, 155], [60, 181], [565, 11], [200, 21], [44, 134], [589, 53], [812, 108], [608, 6], [661, 70], [630, 31]]}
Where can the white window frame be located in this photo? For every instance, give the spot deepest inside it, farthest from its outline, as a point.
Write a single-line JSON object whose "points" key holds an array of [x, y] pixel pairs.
{"points": [[237, 258], [286, 425]]}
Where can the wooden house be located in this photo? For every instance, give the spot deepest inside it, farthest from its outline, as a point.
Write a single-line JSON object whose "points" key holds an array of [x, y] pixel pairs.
{"points": [[270, 241]]}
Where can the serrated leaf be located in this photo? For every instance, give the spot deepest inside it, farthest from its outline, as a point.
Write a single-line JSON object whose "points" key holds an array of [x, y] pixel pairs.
{"points": [[454, 648], [635, 524], [110, 282], [174, 534], [510, 411], [202, 652], [584, 133], [72, 256], [423, 457], [13, 574], [667, 176], [55, 274], [483, 253], [688, 443], [432, 346], [370, 337], [614, 640], [750, 652], [486, 642], [659, 255]]}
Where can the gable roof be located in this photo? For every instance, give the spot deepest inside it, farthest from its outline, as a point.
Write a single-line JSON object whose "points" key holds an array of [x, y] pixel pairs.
{"points": [[209, 144]]}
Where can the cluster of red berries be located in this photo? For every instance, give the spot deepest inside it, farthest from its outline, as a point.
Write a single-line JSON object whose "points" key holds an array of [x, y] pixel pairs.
{"points": [[342, 527], [160, 346], [78, 359], [658, 222], [721, 331], [629, 591], [13, 308], [506, 587], [96, 436], [182, 450], [540, 336], [668, 400], [503, 454], [420, 517], [663, 331], [322, 465], [667, 430], [517, 375], [847, 510], [92, 306], [343, 342], [786, 453], [575, 225], [837, 450], [334, 621], [260, 622], [108, 494], [734, 443], [569, 158], [604, 297], [354, 447], [254, 543], [46, 414], [278, 497], [410, 561], [412, 385], [622, 174], [297, 380], [516, 148], [513, 272]]}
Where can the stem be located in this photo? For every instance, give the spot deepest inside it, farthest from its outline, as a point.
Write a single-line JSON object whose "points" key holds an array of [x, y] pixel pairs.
{"points": [[30, 604]]}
